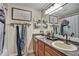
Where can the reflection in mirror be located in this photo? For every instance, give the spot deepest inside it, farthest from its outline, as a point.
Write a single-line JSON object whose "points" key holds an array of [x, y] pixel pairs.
{"points": [[44, 24], [68, 25], [72, 28], [63, 24]]}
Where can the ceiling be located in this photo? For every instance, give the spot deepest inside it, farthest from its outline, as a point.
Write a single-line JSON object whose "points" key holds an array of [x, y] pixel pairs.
{"points": [[38, 6], [67, 10]]}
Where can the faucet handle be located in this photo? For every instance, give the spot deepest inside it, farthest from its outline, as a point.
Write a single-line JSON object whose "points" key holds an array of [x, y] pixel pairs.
{"points": [[64, 34], [72, 34]]}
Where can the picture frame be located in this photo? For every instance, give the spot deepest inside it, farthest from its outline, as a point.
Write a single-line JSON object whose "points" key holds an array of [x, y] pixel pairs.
{"points": [[37, 24], [53, 19], [21, 14]]}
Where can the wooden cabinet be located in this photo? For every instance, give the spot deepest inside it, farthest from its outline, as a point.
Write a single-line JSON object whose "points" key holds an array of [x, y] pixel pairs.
{"points": [[42, 49], [35, 46], [49, 51]]}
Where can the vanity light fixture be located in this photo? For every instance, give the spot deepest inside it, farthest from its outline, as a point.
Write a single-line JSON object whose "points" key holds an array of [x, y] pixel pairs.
{"points": [[55, 8]]}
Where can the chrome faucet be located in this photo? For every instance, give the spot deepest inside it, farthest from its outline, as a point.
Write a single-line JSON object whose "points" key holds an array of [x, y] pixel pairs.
{"points": [[66, 38]]}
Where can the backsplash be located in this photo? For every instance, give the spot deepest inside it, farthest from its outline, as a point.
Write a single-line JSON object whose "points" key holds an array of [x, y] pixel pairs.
{"points": [[75, 39]]}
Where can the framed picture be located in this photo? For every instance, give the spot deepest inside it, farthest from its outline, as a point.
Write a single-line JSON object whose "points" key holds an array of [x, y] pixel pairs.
{"points": [[37, 24], [53, 20], [21, 14]]}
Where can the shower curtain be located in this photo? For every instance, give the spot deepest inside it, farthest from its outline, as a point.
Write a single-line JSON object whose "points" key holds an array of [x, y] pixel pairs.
{"points": [[25, 40], [2, 23], [1, 35]]}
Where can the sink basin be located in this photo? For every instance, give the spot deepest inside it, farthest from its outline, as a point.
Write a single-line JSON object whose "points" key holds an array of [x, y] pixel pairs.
{"points": [[63, 46]]}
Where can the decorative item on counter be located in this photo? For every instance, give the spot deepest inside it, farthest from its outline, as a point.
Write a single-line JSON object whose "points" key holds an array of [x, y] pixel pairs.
{"points": [[52, 34], [48, 35]]}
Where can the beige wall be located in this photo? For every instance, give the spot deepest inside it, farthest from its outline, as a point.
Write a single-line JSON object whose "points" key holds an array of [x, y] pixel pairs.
{"points": [[11, 31]]}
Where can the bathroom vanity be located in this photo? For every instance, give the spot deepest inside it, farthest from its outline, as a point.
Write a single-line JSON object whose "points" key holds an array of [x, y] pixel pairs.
{"points": [[44, 47]]}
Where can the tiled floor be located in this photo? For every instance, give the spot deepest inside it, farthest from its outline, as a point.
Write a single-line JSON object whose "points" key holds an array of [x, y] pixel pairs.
{"points": [[31, 54]]}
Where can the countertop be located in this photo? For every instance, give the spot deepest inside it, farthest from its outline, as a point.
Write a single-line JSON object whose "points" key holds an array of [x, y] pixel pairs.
{"points": [[49, 42]]}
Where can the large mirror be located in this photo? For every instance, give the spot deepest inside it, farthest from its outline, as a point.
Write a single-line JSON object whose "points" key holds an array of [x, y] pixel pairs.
{"points": [[70, 26], [67, 20]]}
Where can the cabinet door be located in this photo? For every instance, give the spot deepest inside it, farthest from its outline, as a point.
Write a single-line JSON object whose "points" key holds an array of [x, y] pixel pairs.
{"points": [[52, 52], [40, 48], [34, 46]]}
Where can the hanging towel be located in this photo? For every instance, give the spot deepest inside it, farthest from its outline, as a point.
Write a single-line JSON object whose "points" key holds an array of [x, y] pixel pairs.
{"points": [[25, 40], [18, 41], [1, 35], [22, 38], [2, 27]]}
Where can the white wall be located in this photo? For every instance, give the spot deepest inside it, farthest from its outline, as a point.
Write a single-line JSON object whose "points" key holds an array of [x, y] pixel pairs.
{"points": [[11, 31]]}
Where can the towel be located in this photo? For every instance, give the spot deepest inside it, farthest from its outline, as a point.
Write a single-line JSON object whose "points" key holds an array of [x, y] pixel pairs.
{"points": [[2, 27], [18, 41], [22, 39]]}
